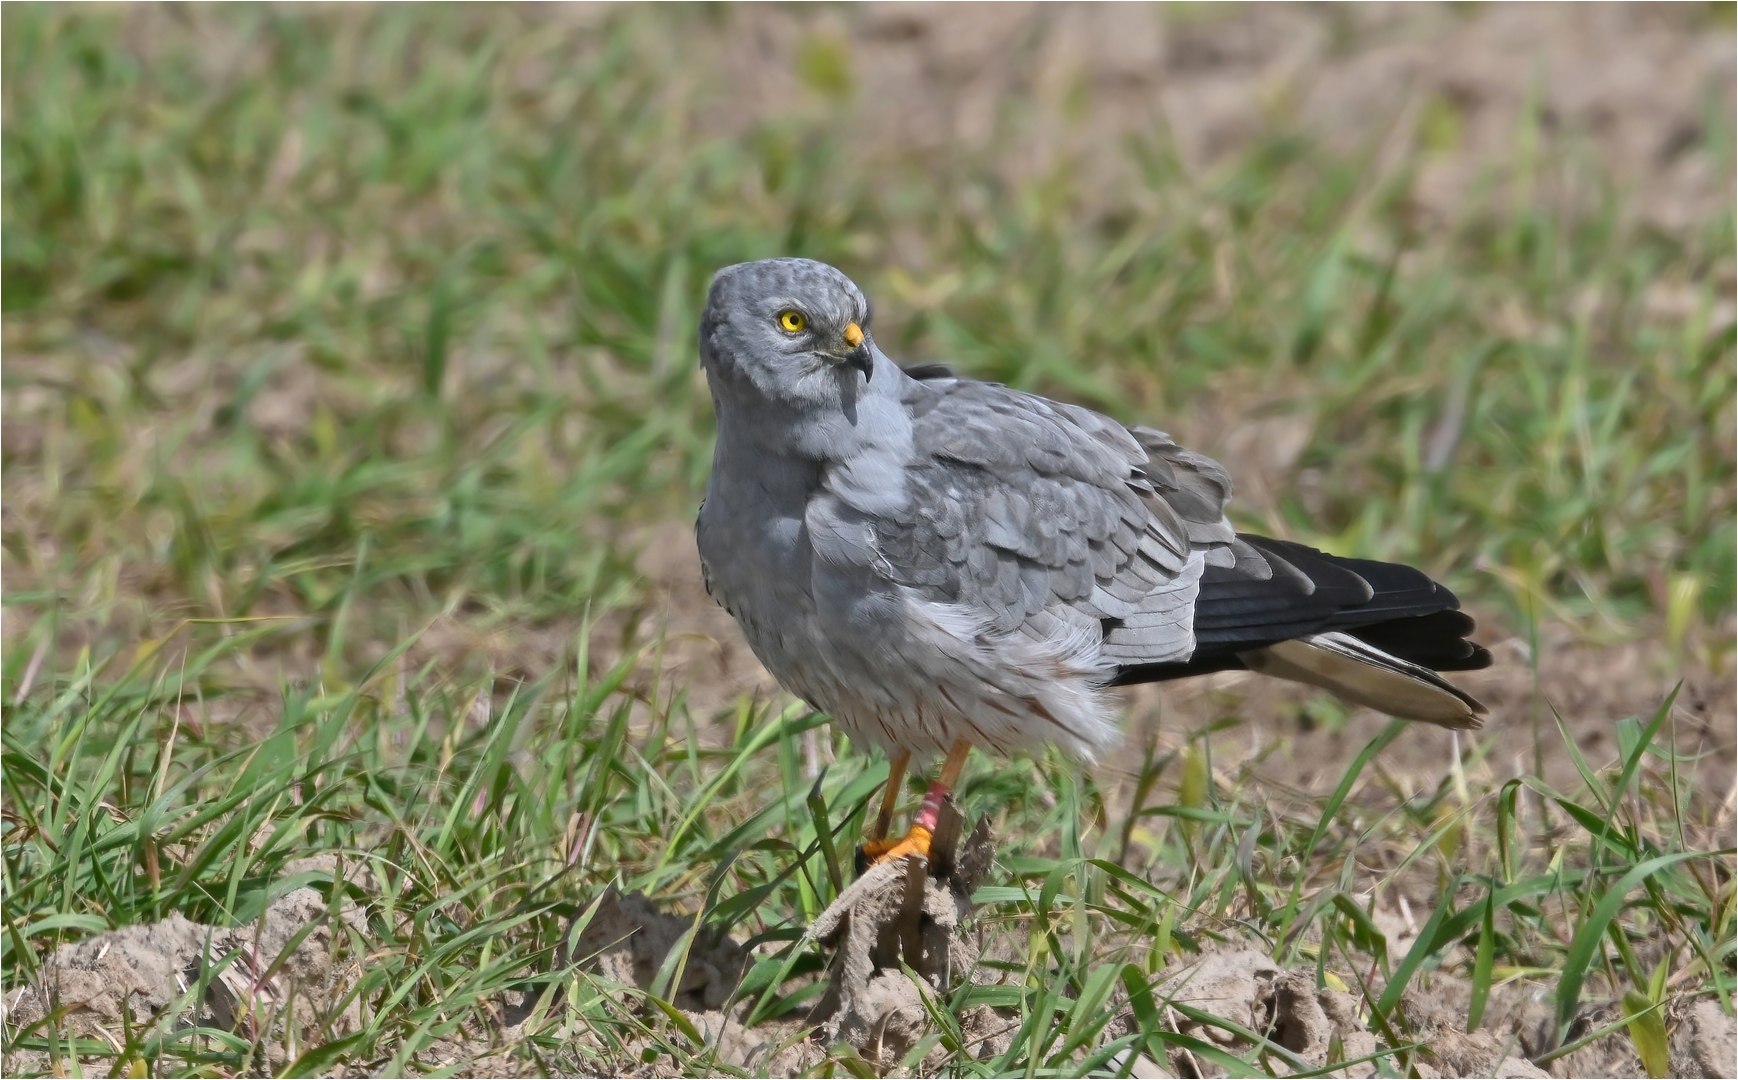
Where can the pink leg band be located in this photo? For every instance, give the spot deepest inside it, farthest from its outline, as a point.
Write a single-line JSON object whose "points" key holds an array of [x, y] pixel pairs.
{"points": [[931, 812]]}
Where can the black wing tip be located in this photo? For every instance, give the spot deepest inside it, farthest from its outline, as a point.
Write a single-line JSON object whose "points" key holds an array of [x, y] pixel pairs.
{"points": [[1477, 658], [1437, 640], [1396, 608]]}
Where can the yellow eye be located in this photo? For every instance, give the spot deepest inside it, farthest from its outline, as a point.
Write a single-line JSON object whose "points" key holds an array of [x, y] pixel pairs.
{"points": [[792, 321]]}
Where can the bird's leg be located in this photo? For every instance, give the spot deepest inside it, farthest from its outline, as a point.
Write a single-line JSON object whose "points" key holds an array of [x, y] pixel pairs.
{"points": [[916, 842], [895, 778]]}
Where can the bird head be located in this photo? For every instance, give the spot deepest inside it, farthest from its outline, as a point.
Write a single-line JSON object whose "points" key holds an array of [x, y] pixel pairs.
{"points": [[792, 331]]}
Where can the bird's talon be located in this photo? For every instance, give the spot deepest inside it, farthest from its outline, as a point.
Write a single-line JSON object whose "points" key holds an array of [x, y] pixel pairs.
{"points": [[915, 842]]}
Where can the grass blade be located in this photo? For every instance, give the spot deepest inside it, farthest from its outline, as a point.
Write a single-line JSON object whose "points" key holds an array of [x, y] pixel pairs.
{"points": [[1587, 939]]}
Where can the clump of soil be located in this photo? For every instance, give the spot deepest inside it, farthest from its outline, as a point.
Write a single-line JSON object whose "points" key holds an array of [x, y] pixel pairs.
{"points": [[627, 940], [909, 913], [178, 973], [1244, 985]]}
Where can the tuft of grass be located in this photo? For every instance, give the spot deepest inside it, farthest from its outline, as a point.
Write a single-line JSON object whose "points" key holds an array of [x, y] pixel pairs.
{"points": [[326, 331]]}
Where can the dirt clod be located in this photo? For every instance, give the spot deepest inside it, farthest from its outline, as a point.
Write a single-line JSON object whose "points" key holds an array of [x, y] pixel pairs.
{"points": [[1708, 1039], [906, 912], [147, 977], [1224, 984], [627, 940], [1321, 1026]]}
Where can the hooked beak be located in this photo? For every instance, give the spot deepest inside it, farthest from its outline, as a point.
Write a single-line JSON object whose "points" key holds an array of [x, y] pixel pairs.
{"points": [[859, 357]]}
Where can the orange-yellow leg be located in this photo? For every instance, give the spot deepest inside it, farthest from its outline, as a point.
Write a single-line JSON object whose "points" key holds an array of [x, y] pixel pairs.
{"points": [[890, 796], [916, 842]]}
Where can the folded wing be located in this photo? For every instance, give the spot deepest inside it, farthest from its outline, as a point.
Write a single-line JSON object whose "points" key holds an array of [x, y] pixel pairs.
{"points": [[1048, 519]]}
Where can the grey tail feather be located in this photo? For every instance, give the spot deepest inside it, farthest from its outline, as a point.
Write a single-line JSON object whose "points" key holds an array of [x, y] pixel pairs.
{"points": [[1365, 675]]}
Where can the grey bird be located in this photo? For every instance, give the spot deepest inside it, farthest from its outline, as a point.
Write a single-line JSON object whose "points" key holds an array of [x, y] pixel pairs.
{"points": [[938, 563]]}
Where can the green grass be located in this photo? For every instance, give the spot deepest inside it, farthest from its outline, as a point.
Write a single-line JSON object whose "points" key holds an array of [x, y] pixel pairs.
{"points": [[485, 839], [323, 326]]}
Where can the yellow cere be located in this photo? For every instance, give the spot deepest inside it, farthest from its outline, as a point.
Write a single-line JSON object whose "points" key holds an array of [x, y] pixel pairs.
{"points": [[792, 321], [853, 335]]}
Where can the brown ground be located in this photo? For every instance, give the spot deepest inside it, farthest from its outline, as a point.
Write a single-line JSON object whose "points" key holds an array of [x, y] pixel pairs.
{"points": [[1631, 83]]}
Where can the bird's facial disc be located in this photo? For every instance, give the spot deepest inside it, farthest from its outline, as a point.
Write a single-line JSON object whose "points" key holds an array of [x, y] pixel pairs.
{"points": [[851, 347]]}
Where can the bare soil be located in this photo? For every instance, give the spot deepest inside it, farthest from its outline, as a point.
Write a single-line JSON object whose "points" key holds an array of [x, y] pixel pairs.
{"points": [[1632, 84], [158, 976]]}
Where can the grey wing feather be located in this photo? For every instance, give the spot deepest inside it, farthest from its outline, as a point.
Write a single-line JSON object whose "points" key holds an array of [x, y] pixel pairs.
{"points": [[1198, 489], [1041, 516]]}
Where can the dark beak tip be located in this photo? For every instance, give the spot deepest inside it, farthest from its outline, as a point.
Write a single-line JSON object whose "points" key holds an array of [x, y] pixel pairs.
{"points": [[863, 360]]}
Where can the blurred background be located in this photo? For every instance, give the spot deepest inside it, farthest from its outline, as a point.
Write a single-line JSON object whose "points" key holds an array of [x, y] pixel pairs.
{"points": [[339, 323]]}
